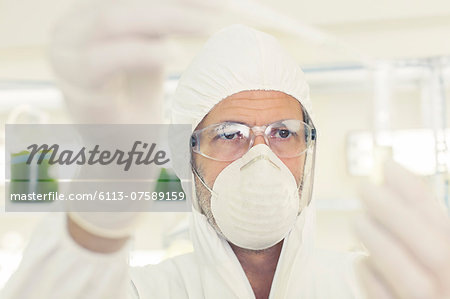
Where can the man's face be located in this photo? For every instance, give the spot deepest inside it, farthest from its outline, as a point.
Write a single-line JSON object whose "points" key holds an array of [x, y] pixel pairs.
{"points": [[254, 108]]}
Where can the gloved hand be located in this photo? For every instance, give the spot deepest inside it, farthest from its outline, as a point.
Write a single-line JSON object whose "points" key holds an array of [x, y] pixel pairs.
{"points": [[407, 234], [109, 58]]}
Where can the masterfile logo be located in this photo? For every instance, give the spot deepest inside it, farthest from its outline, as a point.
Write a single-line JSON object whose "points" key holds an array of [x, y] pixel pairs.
{"points": [[99, 168], [146, 156]]}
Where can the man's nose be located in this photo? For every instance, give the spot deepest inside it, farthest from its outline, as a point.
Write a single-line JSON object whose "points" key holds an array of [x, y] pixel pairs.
{"points": [[259, 140]]}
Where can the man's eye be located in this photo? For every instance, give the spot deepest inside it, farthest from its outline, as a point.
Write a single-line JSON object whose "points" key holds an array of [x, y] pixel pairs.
{"points": [[229, 136], [284, 133]]}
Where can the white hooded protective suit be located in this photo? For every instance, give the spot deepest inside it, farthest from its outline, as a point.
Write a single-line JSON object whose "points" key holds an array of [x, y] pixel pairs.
{"points": [[235, 59]]}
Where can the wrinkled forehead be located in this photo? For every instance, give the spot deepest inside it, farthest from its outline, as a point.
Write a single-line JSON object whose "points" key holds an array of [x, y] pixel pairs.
{"points": [[254, 107]]}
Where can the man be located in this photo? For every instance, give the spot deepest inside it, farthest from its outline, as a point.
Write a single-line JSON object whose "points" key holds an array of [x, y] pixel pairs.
{"points": [[252, 219]]}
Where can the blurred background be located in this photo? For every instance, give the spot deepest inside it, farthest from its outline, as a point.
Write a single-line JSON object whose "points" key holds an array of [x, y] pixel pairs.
{"points": [[379, 73]]}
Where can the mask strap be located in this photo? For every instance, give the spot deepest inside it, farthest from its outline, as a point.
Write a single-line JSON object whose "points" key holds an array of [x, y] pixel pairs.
{"points": [[201, 179], [311, 175]]}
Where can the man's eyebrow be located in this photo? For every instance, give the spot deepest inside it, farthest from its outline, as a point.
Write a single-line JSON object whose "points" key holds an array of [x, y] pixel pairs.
{"points": [[233, 121]]}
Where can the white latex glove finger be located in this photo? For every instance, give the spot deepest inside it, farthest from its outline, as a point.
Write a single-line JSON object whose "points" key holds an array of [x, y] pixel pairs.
{"points": [[137, 26], [428, 245], [395, 266], [375, 288], [131, 68], [102, 60], [111, 66], [416, 194], [434, 220]]}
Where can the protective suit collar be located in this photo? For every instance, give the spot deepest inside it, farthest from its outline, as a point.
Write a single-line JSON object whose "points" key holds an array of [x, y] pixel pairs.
{"points": [[214, 254]]}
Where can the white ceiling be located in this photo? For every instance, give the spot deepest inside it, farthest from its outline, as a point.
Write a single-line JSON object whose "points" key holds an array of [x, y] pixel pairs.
{"points": [[382, 29]]}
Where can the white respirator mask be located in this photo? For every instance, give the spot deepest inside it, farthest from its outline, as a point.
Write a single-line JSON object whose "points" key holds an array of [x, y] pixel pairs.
{"points": [[255, 199]]}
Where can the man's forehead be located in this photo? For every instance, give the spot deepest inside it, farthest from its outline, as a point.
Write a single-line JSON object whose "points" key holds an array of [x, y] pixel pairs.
{"points": [[258, 94], [255, 108]]}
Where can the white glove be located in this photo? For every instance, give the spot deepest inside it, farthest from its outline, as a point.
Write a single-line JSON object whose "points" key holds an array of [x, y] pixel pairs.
{"points": [[112, 225], [408, 237], [109, 58]]}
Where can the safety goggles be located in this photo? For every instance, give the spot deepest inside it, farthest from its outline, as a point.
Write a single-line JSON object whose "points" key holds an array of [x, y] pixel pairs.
{"points": [[229, 141]]}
